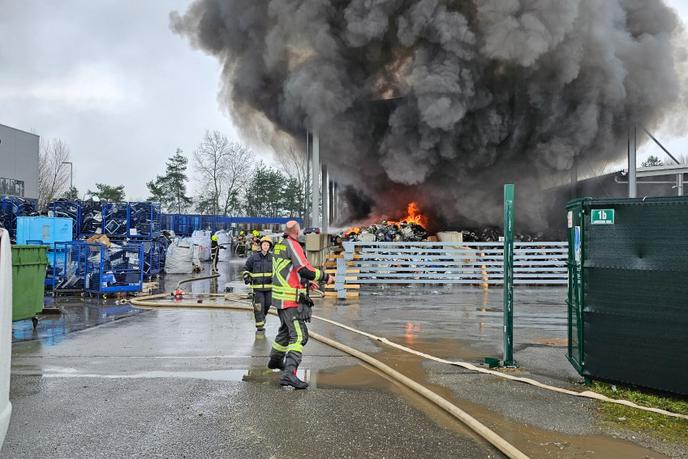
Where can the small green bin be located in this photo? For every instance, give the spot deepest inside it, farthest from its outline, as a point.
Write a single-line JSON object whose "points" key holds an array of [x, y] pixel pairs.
{"points": [[28, 280]]}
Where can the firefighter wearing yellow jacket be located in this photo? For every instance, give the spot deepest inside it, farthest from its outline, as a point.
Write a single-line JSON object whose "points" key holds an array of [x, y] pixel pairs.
{"points": [[291, 274], [258, 274]]}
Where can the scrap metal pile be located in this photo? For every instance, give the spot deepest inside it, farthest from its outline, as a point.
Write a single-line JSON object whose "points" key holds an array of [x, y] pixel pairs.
{"points": [[12, 207], [116, 220], [98, 265], [122, 223]]}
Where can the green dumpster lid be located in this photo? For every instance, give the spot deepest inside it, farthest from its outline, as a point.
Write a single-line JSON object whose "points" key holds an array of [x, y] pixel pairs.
{"points": [[596, 202]]}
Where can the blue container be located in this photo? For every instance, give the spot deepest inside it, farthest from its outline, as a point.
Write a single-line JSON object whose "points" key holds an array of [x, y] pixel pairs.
{"points": [[45, 231], [48, 230]]}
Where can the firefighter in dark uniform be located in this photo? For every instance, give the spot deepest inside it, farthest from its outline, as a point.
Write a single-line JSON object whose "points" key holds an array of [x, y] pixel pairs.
{"points": [[258, 274], [214, 251], [291, 275]]}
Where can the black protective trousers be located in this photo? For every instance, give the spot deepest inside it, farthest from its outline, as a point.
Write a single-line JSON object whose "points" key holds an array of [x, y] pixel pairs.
{"points": [[262, 300], [290, 340]]}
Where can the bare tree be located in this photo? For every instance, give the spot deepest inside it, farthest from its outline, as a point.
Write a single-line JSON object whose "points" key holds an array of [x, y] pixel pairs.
{"points": [[53, 173], [224, 168], [296, 168]]}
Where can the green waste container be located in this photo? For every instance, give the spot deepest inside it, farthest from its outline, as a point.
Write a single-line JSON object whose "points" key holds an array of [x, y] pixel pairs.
{"points": [[28, 280], [628, 291]]}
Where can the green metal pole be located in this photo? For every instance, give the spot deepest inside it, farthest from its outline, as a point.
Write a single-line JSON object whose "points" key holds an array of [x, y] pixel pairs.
{"points": [[509, 194]]}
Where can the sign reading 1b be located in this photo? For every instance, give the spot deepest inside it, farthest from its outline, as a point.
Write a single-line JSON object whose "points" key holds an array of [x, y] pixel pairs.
{"points": [[602, 217]]}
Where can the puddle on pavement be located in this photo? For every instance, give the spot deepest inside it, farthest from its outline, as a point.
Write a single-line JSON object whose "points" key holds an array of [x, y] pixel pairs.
{"points": [[77, 314], [533, 441], [450, 349]]}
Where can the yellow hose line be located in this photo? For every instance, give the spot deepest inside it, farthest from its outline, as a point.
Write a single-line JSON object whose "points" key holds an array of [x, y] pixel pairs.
{"points": [[466, 365], [493, 438]]}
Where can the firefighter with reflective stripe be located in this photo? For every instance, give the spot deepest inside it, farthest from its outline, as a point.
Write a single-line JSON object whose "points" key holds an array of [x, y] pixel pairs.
{"points": [[214, 250], [255, 242], [258, 274], [291, 274]]}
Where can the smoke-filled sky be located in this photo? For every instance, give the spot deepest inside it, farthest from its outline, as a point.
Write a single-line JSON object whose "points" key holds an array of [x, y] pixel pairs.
{"points": [[124, 91], [442, 101]]}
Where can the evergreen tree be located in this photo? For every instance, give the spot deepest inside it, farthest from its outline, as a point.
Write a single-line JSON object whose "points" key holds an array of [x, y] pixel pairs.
{"points": [[293, 199], [71, 194], [170, 189], [108, 193], [265, 192], [652, 161]]}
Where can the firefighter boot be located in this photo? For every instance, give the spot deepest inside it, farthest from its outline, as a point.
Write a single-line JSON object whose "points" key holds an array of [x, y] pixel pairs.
{"points": [[289, 379], [276, 362]]}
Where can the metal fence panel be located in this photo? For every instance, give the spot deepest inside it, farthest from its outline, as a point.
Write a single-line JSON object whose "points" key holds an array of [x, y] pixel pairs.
{"points": [[481, 263]]}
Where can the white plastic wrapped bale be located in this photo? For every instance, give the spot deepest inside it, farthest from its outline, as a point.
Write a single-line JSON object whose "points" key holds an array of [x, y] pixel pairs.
{"points": [[201, 239], [180, 257], [224, 240], [5, 330], [195, 258]]}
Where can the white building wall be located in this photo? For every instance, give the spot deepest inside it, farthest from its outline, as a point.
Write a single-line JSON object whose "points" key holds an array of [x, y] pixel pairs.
{"points": [[19, 158]]}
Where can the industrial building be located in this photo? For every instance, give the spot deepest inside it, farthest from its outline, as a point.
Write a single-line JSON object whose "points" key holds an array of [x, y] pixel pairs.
{"points": [[18, 162]]}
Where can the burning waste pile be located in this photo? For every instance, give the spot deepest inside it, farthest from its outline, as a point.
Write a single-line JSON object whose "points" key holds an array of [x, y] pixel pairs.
{"points": [[494, 234], [411, 228], [414, 228]]}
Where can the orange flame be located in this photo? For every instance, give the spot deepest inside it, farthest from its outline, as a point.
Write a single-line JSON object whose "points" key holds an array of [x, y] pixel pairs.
{"points": [[413, 215], [352, 230]]}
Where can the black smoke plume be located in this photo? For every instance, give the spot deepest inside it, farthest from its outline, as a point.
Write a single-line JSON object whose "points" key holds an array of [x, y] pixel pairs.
{"points": [[443, 101]]}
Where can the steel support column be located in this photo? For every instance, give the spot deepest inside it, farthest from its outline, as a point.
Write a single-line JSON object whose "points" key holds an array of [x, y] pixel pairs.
{"points": [[325, 190], [509, 195], [679, 184], [632, 167], [315, 180], [306, 185]]}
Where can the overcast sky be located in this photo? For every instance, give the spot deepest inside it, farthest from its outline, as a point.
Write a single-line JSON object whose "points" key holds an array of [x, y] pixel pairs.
{"points": [[110, 79]]}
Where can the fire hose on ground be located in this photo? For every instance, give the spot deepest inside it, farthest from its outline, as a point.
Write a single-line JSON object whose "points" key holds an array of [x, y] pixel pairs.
{"points": [[147, 302], [476, 426]]}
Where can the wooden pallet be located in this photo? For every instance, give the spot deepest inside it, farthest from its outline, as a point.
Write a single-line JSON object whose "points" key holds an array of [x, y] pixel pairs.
{"points": [[352, 290]]}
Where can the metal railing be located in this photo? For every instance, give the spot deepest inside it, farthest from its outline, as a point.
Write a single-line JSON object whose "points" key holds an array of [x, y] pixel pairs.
{"points": [[473, 263]]}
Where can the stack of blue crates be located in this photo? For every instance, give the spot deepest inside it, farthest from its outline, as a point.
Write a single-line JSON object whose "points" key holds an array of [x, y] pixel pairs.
{"points": [[97, 269], [186, 224], [12, 207], [122, 223], [136, 220]]}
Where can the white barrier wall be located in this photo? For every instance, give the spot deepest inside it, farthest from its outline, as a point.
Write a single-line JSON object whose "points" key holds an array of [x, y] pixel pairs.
{"points": [[5, 331], [472, 263]]}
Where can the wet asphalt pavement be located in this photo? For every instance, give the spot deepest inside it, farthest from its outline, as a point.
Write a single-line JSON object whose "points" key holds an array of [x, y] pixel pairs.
{"points": [[192, 383]]}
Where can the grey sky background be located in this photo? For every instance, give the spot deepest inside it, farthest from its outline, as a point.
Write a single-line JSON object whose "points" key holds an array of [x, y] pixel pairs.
{"points": [[110, 79]]}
